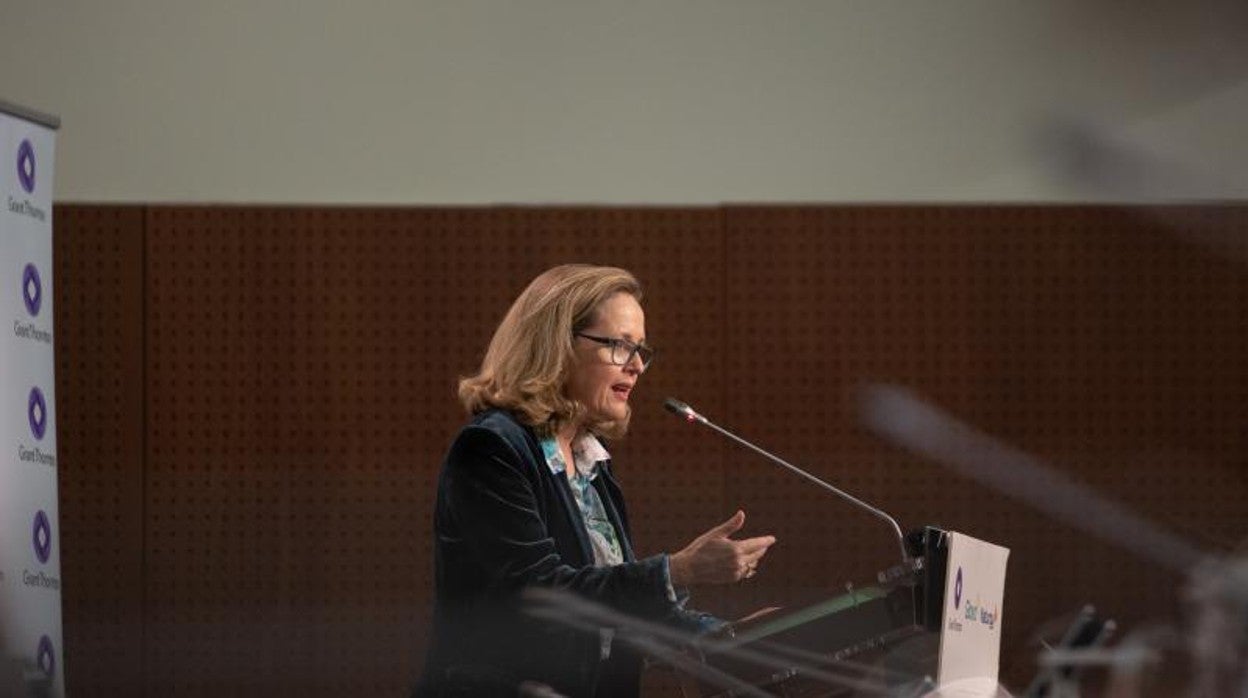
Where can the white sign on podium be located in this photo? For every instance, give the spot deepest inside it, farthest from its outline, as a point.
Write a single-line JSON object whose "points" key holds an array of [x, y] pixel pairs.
{"points": [[970, 633]]}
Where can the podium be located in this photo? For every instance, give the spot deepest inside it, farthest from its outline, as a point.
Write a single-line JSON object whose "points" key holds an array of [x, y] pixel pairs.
{"points": [[932, 623]]}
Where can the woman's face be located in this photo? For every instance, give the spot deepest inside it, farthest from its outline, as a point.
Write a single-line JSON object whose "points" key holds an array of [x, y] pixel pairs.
{"points": [[600, 386]]}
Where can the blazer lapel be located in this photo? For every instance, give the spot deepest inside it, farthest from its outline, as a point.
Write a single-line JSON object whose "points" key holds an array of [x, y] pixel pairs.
{"points": [[571, 512], [610, 494]]}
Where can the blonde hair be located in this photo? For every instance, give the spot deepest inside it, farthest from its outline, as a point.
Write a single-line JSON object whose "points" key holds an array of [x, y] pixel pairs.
{"points": [[530, 356]]}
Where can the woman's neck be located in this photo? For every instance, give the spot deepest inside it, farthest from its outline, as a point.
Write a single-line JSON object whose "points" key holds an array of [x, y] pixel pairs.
{"points": [[564, 438], [566, 435]]}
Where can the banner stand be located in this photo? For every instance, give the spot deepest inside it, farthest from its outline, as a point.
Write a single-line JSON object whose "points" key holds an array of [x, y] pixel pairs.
{"points": [[30, 556]]}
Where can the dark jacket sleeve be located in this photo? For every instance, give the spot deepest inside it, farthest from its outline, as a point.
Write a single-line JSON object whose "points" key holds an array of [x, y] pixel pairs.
{"points": [[499, 510]]}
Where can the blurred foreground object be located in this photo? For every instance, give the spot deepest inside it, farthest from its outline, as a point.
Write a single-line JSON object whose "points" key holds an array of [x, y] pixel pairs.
{"points": [[1215, 590]]}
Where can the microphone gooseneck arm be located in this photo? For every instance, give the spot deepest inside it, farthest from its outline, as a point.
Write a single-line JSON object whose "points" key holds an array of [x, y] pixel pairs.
{"points": [[682, 410]]}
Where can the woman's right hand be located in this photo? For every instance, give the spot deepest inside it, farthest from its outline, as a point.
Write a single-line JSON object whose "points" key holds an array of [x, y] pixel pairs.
{"points": [[715, 558]]}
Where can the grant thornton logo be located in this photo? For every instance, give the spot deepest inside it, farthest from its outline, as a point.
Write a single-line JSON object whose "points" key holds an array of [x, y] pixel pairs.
{"points": [[45, 657], [32, 289], [37, 412], [41, 537], [957, 590], [26, 166]]}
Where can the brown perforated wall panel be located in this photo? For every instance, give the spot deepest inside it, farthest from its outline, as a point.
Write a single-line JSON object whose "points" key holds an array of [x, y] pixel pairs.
{"points": [[99, 385], [299, 368], [1111, 343], [301, 392], [299, 387]]}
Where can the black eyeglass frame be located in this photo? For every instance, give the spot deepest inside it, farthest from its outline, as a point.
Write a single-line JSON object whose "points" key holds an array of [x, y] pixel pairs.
{"points": [[616, 344]]}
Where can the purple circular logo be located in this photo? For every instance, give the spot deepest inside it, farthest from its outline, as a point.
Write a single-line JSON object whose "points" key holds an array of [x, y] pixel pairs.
{"points": [[37, 412], [957, 590], [41, 536], [32, 289], [26, 166], [45, 657]]}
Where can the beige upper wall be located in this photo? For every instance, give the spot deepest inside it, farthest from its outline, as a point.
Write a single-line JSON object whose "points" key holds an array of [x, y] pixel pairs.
{"points": [[536, 101]]}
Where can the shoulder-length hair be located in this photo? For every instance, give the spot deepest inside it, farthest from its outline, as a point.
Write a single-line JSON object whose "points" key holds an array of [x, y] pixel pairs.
{"points": [[530, 357]]}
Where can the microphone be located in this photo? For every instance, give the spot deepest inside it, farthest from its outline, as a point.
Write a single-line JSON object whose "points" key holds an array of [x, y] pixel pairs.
{"points": [[680, 409], [690, 415]]}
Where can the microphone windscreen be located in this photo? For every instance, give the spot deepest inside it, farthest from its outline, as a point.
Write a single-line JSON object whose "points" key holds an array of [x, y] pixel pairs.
{"points": [[677, 407]]}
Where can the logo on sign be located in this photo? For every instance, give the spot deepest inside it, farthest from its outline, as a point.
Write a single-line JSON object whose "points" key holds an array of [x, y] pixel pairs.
{"points": [[32, 289], [26, 166], [41, 536], [46, 657], [37, 412]]}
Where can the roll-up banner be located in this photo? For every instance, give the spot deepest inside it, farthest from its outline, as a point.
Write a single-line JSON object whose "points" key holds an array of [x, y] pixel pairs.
{"points": [[30, 554]]}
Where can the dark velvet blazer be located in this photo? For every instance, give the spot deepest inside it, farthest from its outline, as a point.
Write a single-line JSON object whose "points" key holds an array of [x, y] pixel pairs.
{"points": [[503, 522]]}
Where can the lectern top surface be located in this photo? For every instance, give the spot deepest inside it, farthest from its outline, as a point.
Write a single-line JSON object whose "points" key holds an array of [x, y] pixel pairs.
{"points": [[808, 614]]}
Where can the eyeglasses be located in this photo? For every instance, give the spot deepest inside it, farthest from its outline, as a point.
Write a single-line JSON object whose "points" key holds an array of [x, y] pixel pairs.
{"points": [[622, 350]]}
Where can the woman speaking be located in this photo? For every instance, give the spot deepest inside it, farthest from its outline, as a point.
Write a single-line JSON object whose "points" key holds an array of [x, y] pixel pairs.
{"points": [[526, 498]]}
